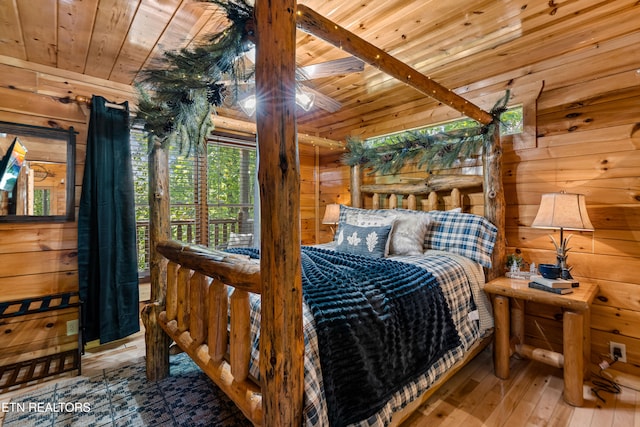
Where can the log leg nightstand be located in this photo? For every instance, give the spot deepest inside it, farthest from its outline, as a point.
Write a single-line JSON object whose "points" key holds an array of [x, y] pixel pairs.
{"points": [[576, 332]]}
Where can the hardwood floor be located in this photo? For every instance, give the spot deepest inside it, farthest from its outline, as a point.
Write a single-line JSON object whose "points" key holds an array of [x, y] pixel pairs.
{"points": [[473, 397], [531, 397]]}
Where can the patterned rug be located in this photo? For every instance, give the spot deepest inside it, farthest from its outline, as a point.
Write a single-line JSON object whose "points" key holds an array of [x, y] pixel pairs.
{"points": [[124, 397]]}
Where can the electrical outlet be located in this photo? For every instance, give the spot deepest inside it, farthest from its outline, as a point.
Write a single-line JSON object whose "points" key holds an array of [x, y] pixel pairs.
{"points": [[72, 327], [618, 351]]}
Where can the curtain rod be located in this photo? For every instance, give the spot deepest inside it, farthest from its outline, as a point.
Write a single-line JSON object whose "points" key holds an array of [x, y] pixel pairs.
{"points": [[84, 100]]}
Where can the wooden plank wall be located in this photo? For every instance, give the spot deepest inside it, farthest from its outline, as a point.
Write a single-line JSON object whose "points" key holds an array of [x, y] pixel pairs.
{"points": [[587, 142], [41, 258]]}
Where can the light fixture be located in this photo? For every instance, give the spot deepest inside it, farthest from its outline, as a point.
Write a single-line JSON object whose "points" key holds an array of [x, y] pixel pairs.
{"points": [[563, 211], [248, 105], [304, 99], [331, 215]]}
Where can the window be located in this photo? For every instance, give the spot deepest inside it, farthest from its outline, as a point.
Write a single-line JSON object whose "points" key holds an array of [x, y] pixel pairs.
{"points": [[211, 194], [511, 123], [140, 166], [230, 189], [42, 201]]}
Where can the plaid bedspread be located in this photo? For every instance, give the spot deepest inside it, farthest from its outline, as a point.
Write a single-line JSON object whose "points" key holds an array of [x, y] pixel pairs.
{"points": [[457, 277]]}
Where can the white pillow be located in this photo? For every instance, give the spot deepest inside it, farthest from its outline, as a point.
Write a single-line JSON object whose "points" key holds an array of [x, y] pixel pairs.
{"points": [[408, 233], [240, 240]]}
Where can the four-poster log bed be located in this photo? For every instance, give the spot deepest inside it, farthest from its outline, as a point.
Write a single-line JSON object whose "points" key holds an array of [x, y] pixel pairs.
{"points": [[189, 289]]}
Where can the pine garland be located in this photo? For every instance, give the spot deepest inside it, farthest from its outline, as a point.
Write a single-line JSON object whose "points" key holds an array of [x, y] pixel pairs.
{"points": [[440, 150], [175, 102]]}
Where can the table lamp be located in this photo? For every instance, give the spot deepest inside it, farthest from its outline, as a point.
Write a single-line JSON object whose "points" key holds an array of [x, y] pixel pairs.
{"points": [[331, 216], [562, 211]]}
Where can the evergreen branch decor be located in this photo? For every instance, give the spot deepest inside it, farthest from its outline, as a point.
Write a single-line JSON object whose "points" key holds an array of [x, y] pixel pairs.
{"points": [[176, 100], [428, 150]]}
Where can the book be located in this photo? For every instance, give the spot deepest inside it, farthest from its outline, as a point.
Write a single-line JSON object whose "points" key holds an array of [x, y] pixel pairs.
{"points": [[552, 283], [561, 291]]}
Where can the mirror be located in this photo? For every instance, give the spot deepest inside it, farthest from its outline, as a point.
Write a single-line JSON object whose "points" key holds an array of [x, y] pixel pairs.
{"points": [[37, 173]]}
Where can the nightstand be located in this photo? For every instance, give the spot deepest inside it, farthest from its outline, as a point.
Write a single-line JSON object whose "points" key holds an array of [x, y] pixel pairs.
{"points": [[576, 331]]}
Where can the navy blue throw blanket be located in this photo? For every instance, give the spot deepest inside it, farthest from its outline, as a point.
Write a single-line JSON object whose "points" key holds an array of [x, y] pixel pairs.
{"points": [[380, 323]]}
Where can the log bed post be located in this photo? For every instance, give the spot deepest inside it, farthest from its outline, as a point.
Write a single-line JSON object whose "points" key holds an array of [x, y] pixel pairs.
{"points": [[281, 339], [494, 202], [356, 184], [156, 340]]}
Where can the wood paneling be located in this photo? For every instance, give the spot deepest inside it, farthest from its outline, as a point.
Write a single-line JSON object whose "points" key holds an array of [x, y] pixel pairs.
{"points": [[112, 22], [39, 31]]}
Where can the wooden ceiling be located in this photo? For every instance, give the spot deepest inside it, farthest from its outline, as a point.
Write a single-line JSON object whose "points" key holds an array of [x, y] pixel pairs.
{"points": [[458, 43]]}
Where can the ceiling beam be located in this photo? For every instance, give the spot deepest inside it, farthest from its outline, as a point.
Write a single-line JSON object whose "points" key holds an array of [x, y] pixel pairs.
{"points": [[312, 22], [249, 127]]}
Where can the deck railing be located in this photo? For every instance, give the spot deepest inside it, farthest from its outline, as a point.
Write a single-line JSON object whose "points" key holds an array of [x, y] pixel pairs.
{"points": [[186, 231]]}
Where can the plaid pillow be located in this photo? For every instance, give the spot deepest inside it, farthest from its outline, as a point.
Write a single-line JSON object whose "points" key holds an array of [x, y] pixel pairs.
{"points": [[472, 236]]}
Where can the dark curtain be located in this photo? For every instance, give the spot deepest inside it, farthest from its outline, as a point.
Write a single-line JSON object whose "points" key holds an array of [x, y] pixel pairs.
{"points": [[107, 259]]}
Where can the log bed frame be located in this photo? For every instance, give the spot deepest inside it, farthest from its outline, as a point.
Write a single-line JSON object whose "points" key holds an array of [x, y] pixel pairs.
{"points": [[189, 289]]}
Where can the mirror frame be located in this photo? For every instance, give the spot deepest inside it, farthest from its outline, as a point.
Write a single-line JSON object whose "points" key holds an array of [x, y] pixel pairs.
{"points": [[67, 136]]}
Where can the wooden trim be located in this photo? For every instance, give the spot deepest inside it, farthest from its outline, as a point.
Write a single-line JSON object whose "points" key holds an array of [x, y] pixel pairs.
{"points": [[314, 23], [128, 91]]}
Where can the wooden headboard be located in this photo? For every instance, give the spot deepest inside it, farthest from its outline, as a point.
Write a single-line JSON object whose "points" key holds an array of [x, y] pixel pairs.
{"points": [[433, 193], [427, 193]]}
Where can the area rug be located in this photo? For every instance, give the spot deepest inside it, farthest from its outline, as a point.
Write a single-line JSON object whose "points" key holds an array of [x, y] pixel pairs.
{"points": [[124, 397]]}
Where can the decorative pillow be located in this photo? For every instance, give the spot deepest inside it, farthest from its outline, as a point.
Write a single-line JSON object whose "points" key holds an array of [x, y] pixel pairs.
{"points": [[465, 234], [409, 229], [365, 241], [240, 240], [366, 218], [349, 211]]}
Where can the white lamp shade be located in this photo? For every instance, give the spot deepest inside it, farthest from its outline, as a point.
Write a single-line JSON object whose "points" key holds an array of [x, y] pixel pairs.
{"points": [[331, 214], [563, 210]]}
